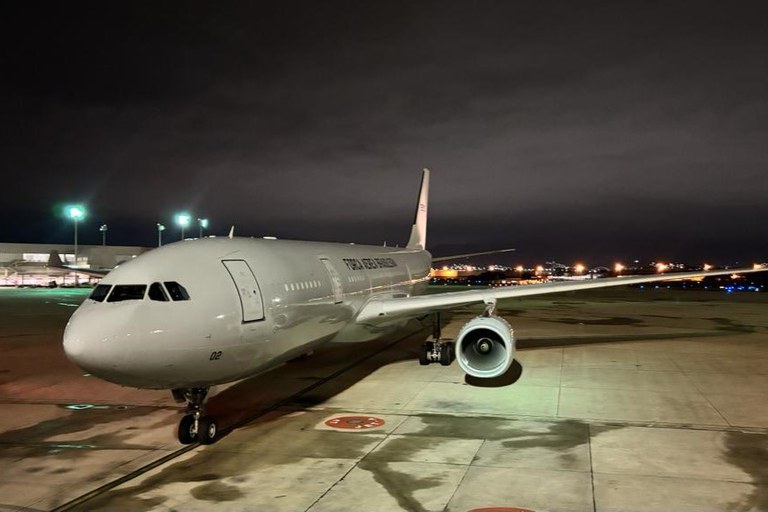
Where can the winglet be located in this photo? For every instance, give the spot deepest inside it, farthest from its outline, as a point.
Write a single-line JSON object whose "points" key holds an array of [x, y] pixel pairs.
{"points": [[231, 232], [418, 239]]}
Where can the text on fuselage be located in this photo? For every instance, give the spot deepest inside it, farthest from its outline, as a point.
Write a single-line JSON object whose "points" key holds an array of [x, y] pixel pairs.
{"points": [[368, 263]]}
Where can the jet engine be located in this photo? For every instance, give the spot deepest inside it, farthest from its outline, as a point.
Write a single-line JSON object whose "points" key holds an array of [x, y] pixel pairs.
{"points": [[485, 347]]}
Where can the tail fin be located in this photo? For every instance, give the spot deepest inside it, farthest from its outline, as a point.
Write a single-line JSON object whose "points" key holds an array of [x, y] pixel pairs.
{"points": [[418, 239], [54, 260]]}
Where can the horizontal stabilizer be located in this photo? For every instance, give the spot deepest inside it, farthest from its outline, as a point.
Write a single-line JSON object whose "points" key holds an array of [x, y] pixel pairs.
{"points": [[469, 255]]}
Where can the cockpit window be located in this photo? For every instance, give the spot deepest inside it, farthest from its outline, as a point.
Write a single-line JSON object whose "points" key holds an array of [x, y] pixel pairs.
{"points": [[123, 292], [100, 292], [156, 292], [176, 291]]}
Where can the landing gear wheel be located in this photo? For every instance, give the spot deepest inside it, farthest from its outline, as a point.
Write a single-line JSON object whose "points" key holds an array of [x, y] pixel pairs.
{"points": [[207, 428], [446, 354], [187, 434], [194, 427], [425, 352]]}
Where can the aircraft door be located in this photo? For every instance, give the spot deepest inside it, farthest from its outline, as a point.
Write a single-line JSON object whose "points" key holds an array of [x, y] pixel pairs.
{"points": [[247, 289], [338, 292]]}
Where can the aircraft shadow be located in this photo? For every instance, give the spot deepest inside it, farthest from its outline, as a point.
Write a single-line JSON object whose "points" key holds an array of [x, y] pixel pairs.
{"points": [[334, 368], [312, 380]]}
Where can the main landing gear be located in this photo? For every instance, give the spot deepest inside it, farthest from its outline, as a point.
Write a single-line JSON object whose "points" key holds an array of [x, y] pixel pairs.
{"points": [[194, 427], [437, 351]]}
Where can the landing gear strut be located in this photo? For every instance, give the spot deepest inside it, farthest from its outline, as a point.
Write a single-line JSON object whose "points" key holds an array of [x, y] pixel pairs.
{"points": [[436, 351], [194, 426]]}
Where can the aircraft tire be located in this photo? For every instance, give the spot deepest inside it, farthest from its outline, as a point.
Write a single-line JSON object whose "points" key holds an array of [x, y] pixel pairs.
{"points": [[207, 428], [187, 434], [424, 350], [446, 354]]}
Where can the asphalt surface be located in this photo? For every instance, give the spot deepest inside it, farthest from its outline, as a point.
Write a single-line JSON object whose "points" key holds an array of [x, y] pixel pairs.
{"points": [[625, 400]]}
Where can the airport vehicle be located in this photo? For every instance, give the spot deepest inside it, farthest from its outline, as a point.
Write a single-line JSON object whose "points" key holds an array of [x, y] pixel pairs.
{"points": [[197, 313]]}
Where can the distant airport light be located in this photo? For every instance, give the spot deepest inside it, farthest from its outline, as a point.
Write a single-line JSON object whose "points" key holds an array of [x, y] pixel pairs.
{"points": [[202, 224], [757, 266], [160, 229], [662, 267], [75, 212], [539, 269], [619, 268], [707, 267], [519, 269], [183, 220], [579, 268]]}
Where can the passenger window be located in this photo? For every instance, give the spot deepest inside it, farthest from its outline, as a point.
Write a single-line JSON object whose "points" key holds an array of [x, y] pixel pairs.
{"points": [[176, 291], [100, 292], [156, 292], [123, 292]]}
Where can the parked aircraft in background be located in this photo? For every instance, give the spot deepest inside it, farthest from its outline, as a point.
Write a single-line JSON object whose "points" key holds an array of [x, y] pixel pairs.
{"points": [[197, 313], [26, 272]]}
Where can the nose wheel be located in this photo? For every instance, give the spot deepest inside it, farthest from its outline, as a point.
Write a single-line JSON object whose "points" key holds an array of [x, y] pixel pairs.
{"points": [[194, 426]]}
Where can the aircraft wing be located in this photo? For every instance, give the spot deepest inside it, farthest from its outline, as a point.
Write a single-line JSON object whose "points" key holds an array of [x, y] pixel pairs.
{"points": [[89, 272], [387, 309], [54, 262]]}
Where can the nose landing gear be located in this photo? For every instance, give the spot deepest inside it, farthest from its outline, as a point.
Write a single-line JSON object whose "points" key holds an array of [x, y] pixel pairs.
{"points": [[194, 426]]}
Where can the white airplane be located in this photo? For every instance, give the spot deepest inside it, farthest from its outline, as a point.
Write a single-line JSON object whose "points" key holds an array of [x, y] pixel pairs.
{"points": [[197, 313]]}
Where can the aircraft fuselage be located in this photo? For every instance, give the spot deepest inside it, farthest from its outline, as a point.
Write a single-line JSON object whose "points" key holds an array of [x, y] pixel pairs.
{"points": [[252, 304]]}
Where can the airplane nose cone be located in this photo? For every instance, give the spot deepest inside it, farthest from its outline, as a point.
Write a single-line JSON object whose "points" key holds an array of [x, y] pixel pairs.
{"points": [[74, 342], [94, 338]]}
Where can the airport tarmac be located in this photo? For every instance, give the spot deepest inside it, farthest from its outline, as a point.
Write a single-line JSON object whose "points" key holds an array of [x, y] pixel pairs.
{"points": [[628, 400]]}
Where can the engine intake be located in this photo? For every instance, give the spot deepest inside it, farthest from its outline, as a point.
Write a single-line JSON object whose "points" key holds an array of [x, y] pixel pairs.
{"points": [[485, 347]]}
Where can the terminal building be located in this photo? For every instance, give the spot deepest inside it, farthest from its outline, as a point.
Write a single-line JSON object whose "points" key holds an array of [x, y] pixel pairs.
{"points": [[28, 264]]}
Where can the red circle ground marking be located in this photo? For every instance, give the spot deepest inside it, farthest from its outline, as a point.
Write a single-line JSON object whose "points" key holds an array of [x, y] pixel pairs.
{"points": [[355, 422]]}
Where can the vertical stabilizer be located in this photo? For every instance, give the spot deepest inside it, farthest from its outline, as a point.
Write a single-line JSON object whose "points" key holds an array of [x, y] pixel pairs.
{"points": [[54, 260], [418, 239]]}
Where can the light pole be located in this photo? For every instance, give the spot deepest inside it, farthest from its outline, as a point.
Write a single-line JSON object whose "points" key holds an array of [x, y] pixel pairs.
{"points": [[103, 230], [76, 213], [182, 219], [160, 229], [202, 224]]}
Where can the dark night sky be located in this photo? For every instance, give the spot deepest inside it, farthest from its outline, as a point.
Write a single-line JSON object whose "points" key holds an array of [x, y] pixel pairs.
{"points": [[568, 130]]}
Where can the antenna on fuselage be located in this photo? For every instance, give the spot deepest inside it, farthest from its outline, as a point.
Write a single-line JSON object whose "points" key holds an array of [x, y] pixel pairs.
{"points": [[231, 232]]}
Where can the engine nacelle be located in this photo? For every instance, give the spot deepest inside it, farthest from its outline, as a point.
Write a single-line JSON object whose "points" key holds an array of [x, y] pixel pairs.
{"points": [[485, 347]]}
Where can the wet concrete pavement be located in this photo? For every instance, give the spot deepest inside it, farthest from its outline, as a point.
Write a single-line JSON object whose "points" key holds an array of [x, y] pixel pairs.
{"points": [[628, 400]]}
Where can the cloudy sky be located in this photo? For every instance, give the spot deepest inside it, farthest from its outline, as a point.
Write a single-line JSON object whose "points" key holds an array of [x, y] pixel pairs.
{"points": [[568, 130]]}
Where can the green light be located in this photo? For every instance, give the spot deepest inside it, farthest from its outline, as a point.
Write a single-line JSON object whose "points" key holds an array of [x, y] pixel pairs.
{"points": [[203, 223], [75, 212], [183, 219], [160, 227]]}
